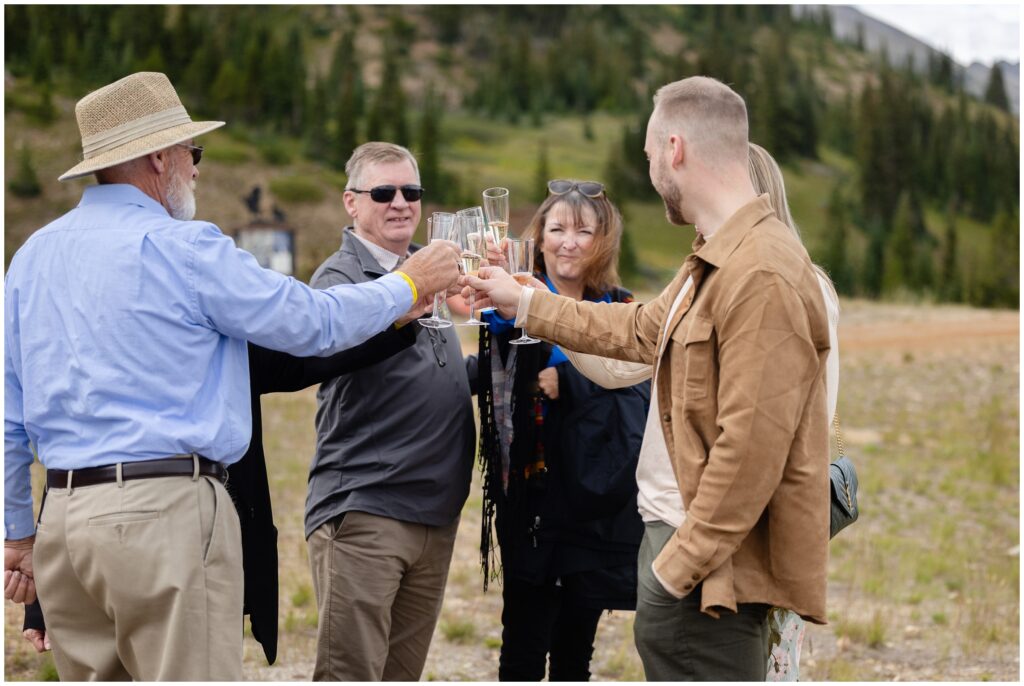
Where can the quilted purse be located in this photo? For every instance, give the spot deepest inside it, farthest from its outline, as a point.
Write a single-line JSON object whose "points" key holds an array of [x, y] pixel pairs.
{"points": [[843, 477]]}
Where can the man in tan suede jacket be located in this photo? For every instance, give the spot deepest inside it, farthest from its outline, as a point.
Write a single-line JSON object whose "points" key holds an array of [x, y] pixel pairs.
{"points": [[733, 473]]}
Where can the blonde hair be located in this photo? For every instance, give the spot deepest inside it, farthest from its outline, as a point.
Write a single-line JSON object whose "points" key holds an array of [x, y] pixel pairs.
{"points": [[600, 268], [713, 116], [766, 177], [375, 152]]}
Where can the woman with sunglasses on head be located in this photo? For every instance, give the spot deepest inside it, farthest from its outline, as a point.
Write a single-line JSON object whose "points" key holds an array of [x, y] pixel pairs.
{"points": [[559, 456]]}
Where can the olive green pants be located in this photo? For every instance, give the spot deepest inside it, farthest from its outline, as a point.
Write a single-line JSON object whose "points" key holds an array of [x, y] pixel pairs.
{"points": [[678, 642]]}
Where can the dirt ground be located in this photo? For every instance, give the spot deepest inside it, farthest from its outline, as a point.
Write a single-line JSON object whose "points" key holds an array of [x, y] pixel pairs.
{"points": [[908, 372]]}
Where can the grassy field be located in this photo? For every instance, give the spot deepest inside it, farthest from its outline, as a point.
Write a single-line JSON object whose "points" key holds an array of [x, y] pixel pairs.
{"points": [[923, 587]]}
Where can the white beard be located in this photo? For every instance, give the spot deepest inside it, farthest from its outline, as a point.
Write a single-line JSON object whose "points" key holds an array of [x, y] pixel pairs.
{"points": [[181, 198]]}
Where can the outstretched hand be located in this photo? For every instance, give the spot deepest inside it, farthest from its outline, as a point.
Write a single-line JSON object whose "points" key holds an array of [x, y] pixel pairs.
{"points": [[494, 287], [433, 268]]}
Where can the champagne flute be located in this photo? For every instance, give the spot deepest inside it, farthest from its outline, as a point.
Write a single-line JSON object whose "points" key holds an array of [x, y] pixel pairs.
{"points": [[477, 214], [470, 229], [520, 264], [439, 227], [496, 209]]}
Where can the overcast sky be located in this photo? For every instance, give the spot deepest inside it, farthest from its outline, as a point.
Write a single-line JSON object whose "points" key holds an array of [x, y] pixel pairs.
{"points": [[970, 33]]}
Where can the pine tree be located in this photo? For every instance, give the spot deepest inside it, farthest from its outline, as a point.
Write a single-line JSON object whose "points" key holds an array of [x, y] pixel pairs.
{"points": [[899, 249], [429, 157], [25, 183], [949, 287], [835, 260], [995, 92], [318, 139], [629, 264], [542, 174], [346, 121], [1001, 282]]}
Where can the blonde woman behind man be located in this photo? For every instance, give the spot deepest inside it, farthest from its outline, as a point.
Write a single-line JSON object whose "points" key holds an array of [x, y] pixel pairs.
{"points": [[786, 628]]}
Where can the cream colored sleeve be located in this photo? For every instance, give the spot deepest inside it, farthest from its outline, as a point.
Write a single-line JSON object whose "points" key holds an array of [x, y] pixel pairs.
{"points": [[524, 306], [609, 373], [832, 362]]}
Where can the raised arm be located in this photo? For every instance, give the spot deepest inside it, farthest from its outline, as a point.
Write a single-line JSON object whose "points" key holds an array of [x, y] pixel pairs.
{"points": [[277, 372]]}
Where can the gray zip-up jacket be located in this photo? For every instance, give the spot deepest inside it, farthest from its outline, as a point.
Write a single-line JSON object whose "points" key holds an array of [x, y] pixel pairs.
{"points": [[397, 438]]}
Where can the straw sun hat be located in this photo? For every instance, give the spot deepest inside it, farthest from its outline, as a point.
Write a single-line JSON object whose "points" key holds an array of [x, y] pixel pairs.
{"points": [[130, 118]]}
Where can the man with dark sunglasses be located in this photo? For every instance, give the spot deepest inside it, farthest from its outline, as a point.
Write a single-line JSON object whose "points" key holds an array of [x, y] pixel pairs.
{"points": [[395, 446]]}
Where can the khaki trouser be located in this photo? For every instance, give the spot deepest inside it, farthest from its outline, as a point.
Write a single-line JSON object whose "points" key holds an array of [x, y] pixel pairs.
{"points": [[142, 580], [379, 587]]}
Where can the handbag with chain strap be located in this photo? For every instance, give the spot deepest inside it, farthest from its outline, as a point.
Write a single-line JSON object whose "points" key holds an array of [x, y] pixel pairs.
{"points": [[843, 477]]}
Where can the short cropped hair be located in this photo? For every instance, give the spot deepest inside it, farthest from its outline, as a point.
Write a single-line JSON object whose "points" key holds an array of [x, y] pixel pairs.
{"points": [[375, 152], [712, 115]]}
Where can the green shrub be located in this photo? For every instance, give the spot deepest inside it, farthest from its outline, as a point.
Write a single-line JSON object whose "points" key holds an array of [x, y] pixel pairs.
{"points": [[47, 670], [25, 183], [275, 152], [458, 631], [227, 153], [297, 189], [302, 595]]}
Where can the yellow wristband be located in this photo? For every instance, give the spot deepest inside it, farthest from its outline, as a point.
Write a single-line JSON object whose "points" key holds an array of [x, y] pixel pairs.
{"points": [[408, 280]]}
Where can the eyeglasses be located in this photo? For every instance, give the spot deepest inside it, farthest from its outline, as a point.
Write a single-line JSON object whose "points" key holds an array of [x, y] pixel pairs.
{"points": [[438, 341], [196, 150], [591, 189], [384, 194]]}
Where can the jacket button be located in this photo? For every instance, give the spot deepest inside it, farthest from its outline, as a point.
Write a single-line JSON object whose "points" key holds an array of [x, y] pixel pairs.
{"points": [[667, 418], [696, 576]]}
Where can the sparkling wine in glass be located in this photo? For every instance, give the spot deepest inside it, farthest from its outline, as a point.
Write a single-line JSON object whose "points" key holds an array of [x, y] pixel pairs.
{"points": [[496, 209], [439, 227], [471, 228], [520, 264], [476, 215]]}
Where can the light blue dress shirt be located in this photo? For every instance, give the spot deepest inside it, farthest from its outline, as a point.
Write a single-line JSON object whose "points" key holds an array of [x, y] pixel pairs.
{"points": [[125, 338]]}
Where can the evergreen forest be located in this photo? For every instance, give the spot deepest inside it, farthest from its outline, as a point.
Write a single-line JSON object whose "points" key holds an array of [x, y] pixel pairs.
{"points": [[903, 184]]}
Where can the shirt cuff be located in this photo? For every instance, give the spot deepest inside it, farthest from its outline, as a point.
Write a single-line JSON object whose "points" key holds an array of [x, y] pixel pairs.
{"points": [[524, 307], [398, 285], [671, 591], [19, 523]]}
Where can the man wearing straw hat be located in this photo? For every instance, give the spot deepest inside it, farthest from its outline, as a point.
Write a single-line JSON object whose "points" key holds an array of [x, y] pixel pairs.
{"points": [[125, 368]]}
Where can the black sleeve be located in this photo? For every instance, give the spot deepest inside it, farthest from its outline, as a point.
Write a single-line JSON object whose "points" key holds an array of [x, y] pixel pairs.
{"points": [[34, 617], [277, 372], [472, 370]]}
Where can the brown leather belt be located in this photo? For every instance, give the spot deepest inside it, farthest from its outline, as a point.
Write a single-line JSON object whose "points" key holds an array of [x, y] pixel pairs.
{"points": [[181, 465]]}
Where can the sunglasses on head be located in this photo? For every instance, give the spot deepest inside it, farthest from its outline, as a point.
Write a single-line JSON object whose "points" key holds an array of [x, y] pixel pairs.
{"points": [[387, 193], [591, 189], [196, 150]]}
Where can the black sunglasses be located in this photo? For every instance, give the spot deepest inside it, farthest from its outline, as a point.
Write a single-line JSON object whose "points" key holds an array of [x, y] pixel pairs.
{"points": [[196, 150], [437, 342], [591, 189], [387, 193]]}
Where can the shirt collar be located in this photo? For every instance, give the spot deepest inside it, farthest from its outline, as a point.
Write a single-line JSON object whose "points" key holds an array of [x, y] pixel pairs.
{"points": [[733, 231], [119, 194], [384, 259]]}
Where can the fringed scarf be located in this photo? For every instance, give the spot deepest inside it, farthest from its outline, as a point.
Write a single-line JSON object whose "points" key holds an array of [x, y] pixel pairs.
{"points": [[495, 399]]}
